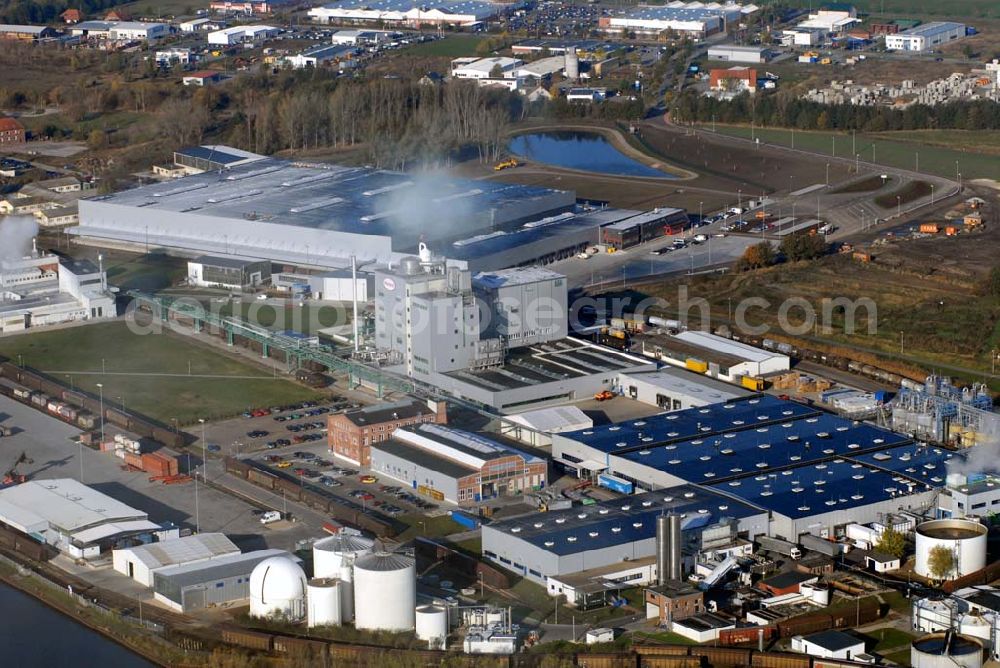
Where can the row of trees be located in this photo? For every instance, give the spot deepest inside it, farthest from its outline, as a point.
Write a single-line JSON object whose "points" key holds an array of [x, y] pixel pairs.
{"points": [[46, 11], [785, 109], [793, 248], [399, 122]]}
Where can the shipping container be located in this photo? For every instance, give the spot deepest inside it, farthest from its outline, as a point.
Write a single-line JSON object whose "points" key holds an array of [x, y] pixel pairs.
{"points": [[751, 383], [696, 365], [40, 400], [929, 228], [463, 519], [133, 459], [261, 478], [22, 393]]}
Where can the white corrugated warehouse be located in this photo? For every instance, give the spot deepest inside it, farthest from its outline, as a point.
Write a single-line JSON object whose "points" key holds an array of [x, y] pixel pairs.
{"points": [[140, 562], [74, 518], [675, 389], [738, 54], [713, 355]]}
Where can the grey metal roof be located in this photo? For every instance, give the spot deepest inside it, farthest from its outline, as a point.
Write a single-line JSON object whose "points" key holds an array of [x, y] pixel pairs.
{"points": [[187, 575], [229, 262], [423, 458], [379, 413], [197, 547], [383, 561]]}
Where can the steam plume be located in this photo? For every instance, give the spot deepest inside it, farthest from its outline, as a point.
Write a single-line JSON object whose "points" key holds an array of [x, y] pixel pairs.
{"points": [[16, 233]]}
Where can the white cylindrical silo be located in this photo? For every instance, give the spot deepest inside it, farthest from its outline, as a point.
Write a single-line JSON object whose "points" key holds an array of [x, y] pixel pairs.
{"points": [[946, 650], [385, 592], [964, 539], [816, 592], [347, 595], [432, 625], [278, 589], [323, 602], [330, 553], [976, 626], [572, 65]]}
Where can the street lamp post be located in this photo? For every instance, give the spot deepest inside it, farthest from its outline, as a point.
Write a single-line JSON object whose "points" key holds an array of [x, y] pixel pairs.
{"points": [[204, 462], [899, 206]]}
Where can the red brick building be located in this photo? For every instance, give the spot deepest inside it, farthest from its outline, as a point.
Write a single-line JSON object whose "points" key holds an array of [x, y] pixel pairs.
{"points": [[11, 131], [351, 434]]}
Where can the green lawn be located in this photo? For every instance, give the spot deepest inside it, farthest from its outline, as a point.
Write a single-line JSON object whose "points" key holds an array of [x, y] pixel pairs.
{"points": [[432, 527], [963, 9], [454, 46], [889, 638], [901, 657], [150, 373], [664, 636], [901, 154]]}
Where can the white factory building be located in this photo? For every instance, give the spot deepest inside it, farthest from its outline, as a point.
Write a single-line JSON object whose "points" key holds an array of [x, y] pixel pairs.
{"points": [[74, 518], [40, 290], [675, 389], [411, 12], [829, 21], [926, 37], [129, 31], [536, 427], [739, 54], [484, 68], [241, 34], [141, 561]]}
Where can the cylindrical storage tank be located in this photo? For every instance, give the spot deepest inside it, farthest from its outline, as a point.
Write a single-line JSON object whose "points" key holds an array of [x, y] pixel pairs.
{"points": [[432, 625], [674, 563], [946, 650], [278, 589], [323, 602], [572, 65], [975, 626], [816, 592], [347, 595], [662, 549], [965, 539], [385, 592], [330, 553]]}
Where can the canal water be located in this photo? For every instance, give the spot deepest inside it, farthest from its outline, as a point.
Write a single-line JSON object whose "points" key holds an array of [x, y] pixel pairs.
{"points": [[586, 151], [32, 634]]}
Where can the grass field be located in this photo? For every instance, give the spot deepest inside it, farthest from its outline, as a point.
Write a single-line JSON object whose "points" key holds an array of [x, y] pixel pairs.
{"points": [[454, 46], [150, 373], [957, 9], [431, 527], [889, 638], [963, 140], [149, 273], [901, 154], [865, 185], [910, 192]]}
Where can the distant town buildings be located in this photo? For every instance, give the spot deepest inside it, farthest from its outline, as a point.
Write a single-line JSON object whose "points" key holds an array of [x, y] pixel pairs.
{"points": [[411, 12], [11, 131]]}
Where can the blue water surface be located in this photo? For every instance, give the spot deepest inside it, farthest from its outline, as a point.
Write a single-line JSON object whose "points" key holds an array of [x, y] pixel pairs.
{"points": [[580, 150]]}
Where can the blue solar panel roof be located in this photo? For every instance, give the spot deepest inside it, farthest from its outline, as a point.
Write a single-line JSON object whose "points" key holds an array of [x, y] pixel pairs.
{"points": [[820, 488], [793, 442], [622, 521], [705, 422]]}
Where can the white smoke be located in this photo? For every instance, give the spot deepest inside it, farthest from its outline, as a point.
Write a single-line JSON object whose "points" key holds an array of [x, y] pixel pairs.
{"points": [[983, 457], [431, 207], [16, 233]]}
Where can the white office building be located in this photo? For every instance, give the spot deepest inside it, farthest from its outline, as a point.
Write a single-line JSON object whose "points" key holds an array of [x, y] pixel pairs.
{"points": [[926, 37]]}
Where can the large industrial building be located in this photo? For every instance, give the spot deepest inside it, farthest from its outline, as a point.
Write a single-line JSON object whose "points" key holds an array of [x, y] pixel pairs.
{"points": [[713, 355], [456, 466], [694, 18], [499, 338], [925, 37], [675, 389], [74, 518], [410, 12], [350, 434], [196, 586], [312, 215], [609, 532], [811, 471]]}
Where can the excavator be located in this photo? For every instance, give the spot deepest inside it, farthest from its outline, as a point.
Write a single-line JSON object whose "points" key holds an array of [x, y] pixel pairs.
{"points": [[11, 476]]}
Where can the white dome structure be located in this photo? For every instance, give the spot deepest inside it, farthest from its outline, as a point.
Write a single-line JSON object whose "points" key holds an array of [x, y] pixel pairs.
{"points": [[385, 592], [964, 538], [278, 589]]}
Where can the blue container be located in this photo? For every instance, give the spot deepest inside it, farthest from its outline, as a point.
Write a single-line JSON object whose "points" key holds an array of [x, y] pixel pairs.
{"points": [[463, 519], [615, 484]]}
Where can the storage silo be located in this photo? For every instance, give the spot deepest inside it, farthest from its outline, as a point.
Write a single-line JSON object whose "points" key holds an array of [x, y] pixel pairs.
{"points": [[964, 538], [278, 589], [385, 592], [330, 553], [323, 602], [816, 592], [946, 650], [347, 595], [432, 625], [572, 65]]}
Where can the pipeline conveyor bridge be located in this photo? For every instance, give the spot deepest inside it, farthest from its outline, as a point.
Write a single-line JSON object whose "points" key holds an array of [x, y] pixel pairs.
{"points": [[296, 351]]}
